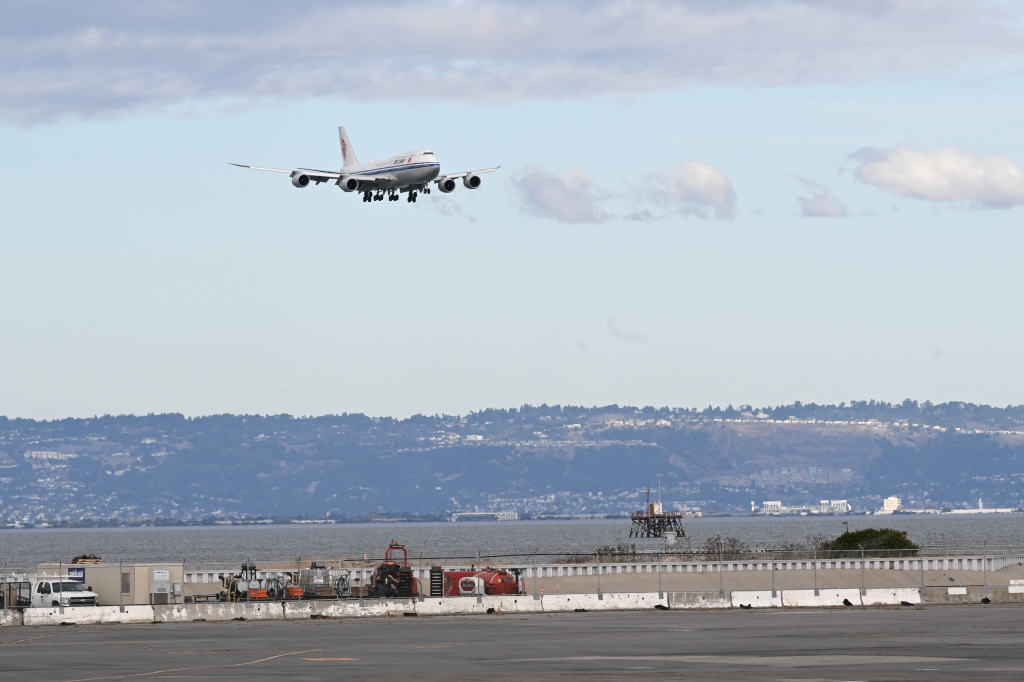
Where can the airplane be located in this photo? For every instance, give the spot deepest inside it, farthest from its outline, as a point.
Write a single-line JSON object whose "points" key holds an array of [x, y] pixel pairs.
{"points": [[411, 172]]}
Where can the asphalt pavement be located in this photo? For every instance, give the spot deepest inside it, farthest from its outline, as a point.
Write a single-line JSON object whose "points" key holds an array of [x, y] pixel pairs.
{"points": [[962, 642]]}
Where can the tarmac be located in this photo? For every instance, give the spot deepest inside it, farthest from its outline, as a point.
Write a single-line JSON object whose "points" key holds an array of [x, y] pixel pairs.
{"points": [[955, 642]]}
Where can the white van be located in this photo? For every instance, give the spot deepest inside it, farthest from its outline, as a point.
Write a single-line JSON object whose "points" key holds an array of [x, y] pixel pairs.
{"points": [[62, 593]]}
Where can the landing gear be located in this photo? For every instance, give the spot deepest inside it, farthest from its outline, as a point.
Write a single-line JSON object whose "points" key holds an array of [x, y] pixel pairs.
{"points": [[412, 196], [379, 196], [367, 197]]}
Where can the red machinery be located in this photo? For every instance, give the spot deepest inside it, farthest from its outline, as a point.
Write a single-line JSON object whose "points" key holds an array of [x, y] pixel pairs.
{"points": [[486, 581], [393, 580]]}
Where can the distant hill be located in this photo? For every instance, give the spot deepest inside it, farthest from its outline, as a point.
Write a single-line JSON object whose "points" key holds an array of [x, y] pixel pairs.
{"points": [[536, 460]]}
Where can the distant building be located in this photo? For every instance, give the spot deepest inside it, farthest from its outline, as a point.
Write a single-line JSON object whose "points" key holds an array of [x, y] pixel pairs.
{"points": [[486, 516], [891, 504], [823, 507], [834, 506]]}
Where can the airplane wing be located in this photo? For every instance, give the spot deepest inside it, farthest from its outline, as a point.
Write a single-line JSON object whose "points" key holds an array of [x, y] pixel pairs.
{"points": [[318, 175], [386, 177], [374, 178], [439, 178]]}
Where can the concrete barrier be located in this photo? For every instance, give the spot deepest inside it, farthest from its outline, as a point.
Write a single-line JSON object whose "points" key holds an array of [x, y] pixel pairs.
{"points": [[892, 596], [619, 601], [349, 609], [515, 603], [551, 603], [87, 615], [699, 600], [10, 618], [806, 598], [758, 599], [1005, 593], [218, 612], [959, 594]]}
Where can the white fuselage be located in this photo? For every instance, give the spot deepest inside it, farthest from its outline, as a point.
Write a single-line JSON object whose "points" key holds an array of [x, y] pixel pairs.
{"points": [[411, 169]]}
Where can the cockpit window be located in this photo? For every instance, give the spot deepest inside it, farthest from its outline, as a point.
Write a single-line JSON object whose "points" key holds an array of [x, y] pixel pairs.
{"points": [[428, 153]]}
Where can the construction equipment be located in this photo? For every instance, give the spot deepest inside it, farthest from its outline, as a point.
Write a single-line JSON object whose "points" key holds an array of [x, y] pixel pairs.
{"points": [[342, 587], [247, 587], [488, 580], [391, 579]]}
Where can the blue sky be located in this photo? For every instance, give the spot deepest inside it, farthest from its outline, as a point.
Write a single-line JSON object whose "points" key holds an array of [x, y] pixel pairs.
{"points": [[777, 261]]}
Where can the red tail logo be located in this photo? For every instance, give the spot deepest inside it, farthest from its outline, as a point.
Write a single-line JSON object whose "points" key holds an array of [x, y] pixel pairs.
{"points": [[344, 150]]}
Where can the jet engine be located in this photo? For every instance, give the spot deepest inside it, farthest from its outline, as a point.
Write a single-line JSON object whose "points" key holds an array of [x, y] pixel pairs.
{"points": [[300, 179], [348, 184], [471, 181], [447, 185]]}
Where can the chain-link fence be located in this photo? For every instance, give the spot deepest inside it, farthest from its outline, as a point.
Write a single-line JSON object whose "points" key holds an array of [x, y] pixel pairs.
{"points": [[624, 568]]}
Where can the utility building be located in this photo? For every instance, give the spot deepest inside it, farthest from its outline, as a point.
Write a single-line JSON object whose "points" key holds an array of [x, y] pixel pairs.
{"points": [[127, 584]]}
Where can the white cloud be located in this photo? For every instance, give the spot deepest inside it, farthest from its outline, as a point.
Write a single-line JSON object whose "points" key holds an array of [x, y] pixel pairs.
{"points": [[60, 57], [567, 198], [821, 203], [943, 175], [693, 188], [690, 189]]}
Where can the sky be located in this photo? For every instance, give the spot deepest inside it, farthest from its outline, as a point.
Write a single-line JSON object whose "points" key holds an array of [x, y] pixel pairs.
{"points": [[698, 203]]}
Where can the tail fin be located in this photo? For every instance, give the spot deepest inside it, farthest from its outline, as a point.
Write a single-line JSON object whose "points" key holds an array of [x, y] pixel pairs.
{"points": [[348, 155]]}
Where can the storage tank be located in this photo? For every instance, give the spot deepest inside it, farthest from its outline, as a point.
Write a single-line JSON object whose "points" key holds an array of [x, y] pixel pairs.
{"points": [[498, 582]]}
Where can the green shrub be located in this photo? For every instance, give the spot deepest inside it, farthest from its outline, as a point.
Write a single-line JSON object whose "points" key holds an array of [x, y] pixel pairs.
{"points": [[873, 540]]}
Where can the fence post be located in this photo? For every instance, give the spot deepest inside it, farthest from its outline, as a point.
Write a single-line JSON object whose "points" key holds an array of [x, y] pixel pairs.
{"points": [[984, 566], [535, 595], [597, 557], [863, 591], [922, 576], [120, 585], [771, 555], [661, 594], [815, 550], [721, 584]]}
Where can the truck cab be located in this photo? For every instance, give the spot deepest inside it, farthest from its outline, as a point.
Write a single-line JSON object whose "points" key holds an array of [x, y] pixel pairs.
{"points": [[62, 592]]}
